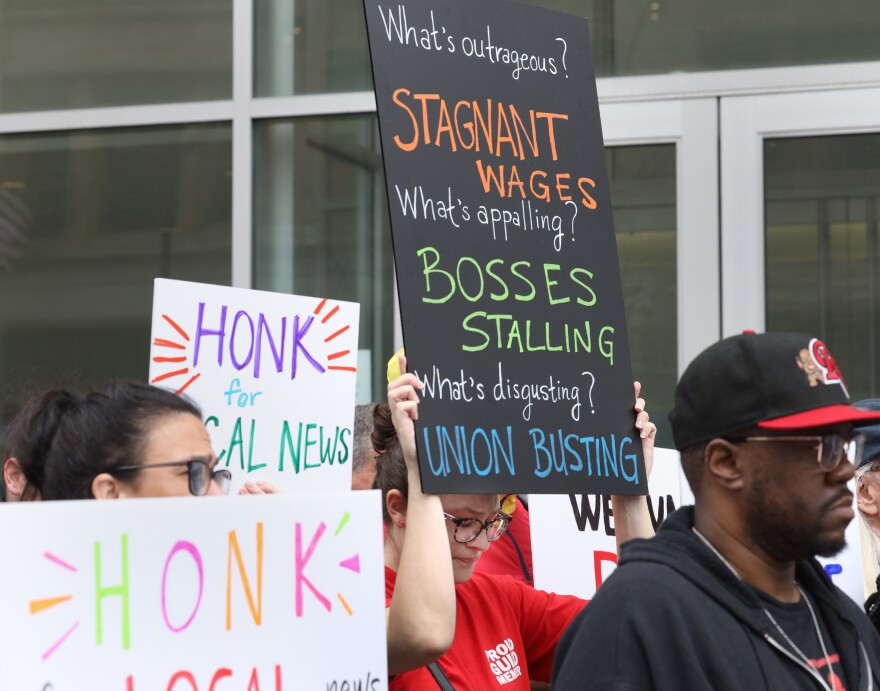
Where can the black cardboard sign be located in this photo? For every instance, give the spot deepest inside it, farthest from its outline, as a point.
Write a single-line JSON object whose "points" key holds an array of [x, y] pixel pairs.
{"points": [[507, 269]]}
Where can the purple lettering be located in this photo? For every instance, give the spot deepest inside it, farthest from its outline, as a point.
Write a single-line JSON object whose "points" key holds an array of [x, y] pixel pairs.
{"points": [[202, 331], [250, 352], [298, 335], [276, 356]]}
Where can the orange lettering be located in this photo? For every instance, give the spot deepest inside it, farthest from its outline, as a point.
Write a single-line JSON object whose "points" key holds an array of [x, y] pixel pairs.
{"points": [[424, 98], [415, 140], [551, 132], [256, 609], [587, 201], [488, 176]]}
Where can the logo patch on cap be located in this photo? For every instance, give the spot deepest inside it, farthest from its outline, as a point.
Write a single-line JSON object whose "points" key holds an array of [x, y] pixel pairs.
{"points": [[819, 365]]}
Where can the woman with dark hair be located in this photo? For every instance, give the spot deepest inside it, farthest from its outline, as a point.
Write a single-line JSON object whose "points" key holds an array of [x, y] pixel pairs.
{"points": [[27, 440], [130, 439], [449, 628]]}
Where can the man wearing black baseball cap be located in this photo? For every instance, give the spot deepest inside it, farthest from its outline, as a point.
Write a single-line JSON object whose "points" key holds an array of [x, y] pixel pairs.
{"points": [[728, 595]]}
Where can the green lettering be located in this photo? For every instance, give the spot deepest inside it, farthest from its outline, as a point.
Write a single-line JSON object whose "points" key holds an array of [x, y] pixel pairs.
{"points": [[495, 296], [553, 301], [287, 442], [531, 295], [514, 334], [310, 442], [529, 338], [609, 344], [237, 440], [461, 289], [473, 329], [592, 300], [428, 270], [251, 467], [107, 591]]}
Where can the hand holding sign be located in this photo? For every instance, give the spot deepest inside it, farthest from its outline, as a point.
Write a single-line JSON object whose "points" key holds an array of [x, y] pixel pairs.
{"points": [[403, 400]]}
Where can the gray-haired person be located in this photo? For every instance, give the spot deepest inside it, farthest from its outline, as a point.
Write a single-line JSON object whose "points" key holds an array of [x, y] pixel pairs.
{"points": [[868, 502]]}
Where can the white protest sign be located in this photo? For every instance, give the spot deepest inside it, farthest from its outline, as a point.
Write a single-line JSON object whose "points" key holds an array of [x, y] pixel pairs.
{"points": [[845, 568], [573, 544], [278, 593], [273, 374]]}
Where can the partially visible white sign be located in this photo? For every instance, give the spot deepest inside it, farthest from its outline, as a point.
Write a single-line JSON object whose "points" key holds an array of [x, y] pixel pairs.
{"points": [[274, 375], [845, 568], [573, 543], [275, 592]]}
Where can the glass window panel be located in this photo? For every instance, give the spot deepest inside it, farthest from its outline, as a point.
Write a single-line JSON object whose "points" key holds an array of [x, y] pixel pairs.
{"points": [[656, 37], [310, 46], [643, 197], [57, 54], [87, 220], [822, 268], [321, 46], [321, 225]]}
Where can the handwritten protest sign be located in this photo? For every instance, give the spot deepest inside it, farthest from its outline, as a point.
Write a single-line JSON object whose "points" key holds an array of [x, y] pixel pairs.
{"points": [[277, 593], [573, 542], [504, 245], [274, 375]]}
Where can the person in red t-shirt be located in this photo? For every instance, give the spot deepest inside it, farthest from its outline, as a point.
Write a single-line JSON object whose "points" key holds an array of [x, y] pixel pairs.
{"points": [[512, 553], [447, 625]]}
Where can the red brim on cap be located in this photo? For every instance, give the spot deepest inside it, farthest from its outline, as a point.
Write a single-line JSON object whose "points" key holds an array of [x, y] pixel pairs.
{"points": [[822, 417]]}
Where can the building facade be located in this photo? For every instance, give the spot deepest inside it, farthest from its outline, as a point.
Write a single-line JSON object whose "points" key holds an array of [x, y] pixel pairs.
{"points": [[235, 142]]}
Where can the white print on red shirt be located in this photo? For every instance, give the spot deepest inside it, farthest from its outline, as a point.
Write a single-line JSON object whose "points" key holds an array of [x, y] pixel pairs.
{"points": [[504, 662]]}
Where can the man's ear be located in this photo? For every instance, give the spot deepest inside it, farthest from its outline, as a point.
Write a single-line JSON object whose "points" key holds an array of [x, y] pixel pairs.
{"points": [[867, 495], [724, 464], [14, 478], [105, 486], [396, 504]]}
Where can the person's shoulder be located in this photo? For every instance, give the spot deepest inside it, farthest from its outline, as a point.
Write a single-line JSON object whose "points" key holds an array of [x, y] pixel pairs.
{"points": [[655, 578], [852, 610], [637, 595], [869, 636]]}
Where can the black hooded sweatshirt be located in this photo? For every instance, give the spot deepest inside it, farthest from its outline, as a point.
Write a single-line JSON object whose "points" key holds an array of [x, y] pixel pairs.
{"points": [[673, 617]]}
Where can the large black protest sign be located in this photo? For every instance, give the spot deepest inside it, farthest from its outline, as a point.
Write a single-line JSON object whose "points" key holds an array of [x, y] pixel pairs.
{"points": [[507, 267]]}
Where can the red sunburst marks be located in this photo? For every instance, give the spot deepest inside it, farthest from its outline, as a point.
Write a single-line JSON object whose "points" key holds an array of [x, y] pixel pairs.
{"points": [[334, 359], [174, 359]]}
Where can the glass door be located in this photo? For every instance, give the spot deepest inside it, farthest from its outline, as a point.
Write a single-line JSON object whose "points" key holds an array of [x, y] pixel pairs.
{"points": [[800, 180], [662, 165]]}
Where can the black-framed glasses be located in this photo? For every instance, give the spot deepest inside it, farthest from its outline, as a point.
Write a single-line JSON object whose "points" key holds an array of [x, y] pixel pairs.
{"points": [[831, 448], [468, 529], [200, 475]]}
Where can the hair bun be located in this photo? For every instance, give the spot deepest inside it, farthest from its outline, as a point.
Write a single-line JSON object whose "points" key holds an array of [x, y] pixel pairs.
{"points": [[384, 435]]}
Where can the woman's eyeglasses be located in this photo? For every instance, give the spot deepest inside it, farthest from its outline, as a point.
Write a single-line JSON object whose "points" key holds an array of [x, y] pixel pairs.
{"points": [[468, 529], [200, 475]]}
